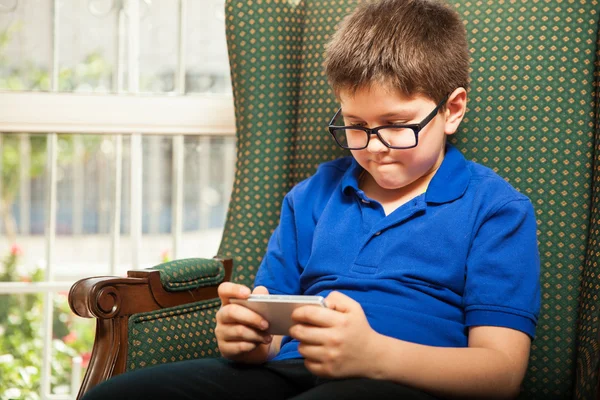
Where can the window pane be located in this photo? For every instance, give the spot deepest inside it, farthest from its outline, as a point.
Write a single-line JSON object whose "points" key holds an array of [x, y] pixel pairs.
{"points": [[159, 33], [85, 187], [22, 188], [93, 35], [207, 65], [206, 51], [25, 45], [209, 163], [207, 176], [87, 45]]}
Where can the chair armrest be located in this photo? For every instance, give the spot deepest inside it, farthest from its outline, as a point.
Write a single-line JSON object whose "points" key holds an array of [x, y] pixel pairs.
{"points": [[112, 300]]}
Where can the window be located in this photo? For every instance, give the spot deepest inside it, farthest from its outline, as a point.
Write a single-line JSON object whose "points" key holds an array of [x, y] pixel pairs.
{"points": [[116, 152]]}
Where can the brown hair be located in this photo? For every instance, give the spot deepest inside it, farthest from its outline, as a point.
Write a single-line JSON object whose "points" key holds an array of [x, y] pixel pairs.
{"points": [[413, 46]]}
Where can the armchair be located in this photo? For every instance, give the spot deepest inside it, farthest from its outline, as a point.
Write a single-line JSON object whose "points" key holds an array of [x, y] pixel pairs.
{"points": [[533, 117]]}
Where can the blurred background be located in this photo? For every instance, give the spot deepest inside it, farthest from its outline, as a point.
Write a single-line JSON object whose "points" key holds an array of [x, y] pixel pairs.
{"points": [[79, 204]]}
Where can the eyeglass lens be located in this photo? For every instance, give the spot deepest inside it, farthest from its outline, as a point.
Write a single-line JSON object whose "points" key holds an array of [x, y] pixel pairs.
{"points": [[357, 138]]}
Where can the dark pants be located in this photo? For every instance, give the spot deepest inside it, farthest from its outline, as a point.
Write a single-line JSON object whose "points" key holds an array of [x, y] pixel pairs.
{"points": [[221, 379]]}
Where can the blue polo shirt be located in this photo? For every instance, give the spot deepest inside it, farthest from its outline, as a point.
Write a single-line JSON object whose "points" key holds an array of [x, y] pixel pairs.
{"points": [[462, 254]]}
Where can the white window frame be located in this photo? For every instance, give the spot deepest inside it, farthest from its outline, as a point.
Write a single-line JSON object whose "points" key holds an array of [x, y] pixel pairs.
{"points": [[116, 114]]}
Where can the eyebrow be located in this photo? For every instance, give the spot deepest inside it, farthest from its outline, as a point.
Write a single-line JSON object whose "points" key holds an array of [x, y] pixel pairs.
{"points": [[402, 113]]}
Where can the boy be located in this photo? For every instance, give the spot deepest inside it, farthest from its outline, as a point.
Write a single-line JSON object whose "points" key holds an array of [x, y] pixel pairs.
{"points": [[428, 262]]}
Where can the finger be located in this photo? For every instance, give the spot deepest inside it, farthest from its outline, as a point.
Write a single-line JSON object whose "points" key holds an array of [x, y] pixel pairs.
{"points": [[308, 334], [241, 333], [340, 302], [238, 314], [315, 367], [233, 348], [260, 290], [227, 290], [318, 316], [311, 352]]}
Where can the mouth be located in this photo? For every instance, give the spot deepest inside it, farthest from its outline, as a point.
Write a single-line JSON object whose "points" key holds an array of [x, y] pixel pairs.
{"points": [[381, 162]]}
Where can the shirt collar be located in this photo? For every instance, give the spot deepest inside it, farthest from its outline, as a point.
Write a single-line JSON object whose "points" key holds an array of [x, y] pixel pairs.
{"points": [[451, 179], [351, 178], [449, 182]]}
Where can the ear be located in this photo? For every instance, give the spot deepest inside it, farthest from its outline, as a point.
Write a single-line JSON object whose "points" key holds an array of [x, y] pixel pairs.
{"points": [[456, 106]]}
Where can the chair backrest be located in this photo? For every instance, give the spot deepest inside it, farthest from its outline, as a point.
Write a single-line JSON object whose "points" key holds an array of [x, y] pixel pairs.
{"points": [[532, 117]]}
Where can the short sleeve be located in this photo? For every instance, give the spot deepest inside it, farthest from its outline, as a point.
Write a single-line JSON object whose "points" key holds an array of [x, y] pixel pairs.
{"points": [[503, 270], [279, 270]]}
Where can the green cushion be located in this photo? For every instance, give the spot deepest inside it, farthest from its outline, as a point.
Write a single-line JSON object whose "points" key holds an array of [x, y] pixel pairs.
{"points": [[190, 273]]}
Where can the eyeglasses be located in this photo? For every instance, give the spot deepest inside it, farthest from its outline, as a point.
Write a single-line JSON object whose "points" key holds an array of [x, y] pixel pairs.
{"points": [[396, 136]]}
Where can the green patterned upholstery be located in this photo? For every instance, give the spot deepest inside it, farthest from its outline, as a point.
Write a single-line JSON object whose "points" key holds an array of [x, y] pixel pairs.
{"points": [[532, 117], [265, 54], [190, 273], [172, 334]]}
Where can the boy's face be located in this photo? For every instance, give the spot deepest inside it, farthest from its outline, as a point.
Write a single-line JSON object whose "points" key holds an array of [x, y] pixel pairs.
{"points": [[405, 170]]}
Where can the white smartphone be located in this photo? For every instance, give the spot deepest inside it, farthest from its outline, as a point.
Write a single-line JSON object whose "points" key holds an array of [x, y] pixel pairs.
{"points": [[277, 309]]}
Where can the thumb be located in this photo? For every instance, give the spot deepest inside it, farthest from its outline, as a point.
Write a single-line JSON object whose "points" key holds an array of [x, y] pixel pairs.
{"points": [[260, 290], [340, 302]]}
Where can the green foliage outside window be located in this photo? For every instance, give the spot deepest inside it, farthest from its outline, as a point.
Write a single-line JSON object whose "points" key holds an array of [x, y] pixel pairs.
{"points": [[21, 341], [93, 72]]}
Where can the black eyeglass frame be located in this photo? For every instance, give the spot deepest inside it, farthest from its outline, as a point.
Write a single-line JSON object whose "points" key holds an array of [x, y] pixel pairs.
{"points": [[416, 128]]}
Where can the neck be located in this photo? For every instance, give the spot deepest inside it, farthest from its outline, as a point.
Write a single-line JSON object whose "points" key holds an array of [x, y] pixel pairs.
{"points": [[391, 199]]}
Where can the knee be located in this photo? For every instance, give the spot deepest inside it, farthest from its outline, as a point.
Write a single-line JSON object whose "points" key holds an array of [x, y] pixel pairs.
{"points": [[122, 387]]}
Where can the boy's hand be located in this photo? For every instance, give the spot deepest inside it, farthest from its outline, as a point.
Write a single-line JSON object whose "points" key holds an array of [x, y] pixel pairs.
{"points": [[336, 341], [240, 331]]}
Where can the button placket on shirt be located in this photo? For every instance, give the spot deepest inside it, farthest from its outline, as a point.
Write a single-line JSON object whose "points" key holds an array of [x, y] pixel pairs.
{"points": [[372, 215], [368, 211], [366, 261]]}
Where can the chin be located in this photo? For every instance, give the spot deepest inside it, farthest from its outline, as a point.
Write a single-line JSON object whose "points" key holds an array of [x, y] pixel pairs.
{"points": [[391, 185]]}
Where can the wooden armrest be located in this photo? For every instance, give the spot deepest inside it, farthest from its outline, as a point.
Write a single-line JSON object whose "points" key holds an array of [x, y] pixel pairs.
{"points": [[112, 300]]}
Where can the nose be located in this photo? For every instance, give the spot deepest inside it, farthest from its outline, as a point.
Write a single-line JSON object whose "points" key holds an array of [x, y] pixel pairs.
{"points": [[375, 145]]}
